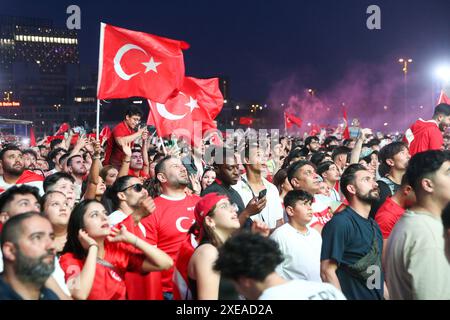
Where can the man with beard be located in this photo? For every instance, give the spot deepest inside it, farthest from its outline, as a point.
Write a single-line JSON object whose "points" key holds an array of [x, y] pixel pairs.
{"points": [[416, 266], [132, 203], [352, 242], [28, 255], [427, 135], [174, 215], [77, 169], [14, 173], [312, 143]]}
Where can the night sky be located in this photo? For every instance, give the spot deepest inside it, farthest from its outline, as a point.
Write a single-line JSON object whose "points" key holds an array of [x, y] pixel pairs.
{"points": [[259, 44]]}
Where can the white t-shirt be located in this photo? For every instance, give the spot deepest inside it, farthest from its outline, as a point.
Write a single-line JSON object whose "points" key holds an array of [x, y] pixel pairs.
{"points": [[59, 275], [116, 217], [37, 184], [273, 210], [302, 290], [301, 253]]}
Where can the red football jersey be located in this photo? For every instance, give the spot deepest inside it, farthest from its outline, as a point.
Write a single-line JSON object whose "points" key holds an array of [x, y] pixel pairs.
{"points": [[167, 227], [141, 286], [114, 154], [109, 282], [423, 136], [387, 216]]}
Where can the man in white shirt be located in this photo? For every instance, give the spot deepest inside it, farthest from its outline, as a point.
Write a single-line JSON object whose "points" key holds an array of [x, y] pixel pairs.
{"points": [[299, 244], [249, 260], [252, 183]]}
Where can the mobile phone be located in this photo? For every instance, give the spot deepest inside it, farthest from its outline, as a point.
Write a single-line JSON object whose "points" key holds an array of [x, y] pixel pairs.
{"points": [[262, 194]]}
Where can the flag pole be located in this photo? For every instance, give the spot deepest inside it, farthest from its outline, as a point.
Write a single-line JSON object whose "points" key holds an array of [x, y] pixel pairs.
{"points": [[164, 147], [98, 121]]}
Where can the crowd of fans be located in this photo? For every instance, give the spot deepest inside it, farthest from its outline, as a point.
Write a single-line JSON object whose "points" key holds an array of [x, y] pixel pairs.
{"points": [[250, 217]]}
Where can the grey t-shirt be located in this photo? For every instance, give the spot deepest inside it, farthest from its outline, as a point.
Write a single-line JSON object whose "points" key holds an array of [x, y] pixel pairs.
{"points": [[416, 267]]}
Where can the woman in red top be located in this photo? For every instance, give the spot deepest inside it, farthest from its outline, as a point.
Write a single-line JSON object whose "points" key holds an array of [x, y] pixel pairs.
{"points": [[96, 257]]}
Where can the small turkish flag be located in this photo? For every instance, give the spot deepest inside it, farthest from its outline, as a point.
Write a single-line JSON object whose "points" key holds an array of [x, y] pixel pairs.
{"points": [[190, 112], [346, 134], [443, 98], [290, 120], [138, 64], [32, 138], [63, 128]]}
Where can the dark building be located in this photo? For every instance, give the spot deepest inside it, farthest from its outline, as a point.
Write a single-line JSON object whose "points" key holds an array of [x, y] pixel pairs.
{"points": [[40, 74]]}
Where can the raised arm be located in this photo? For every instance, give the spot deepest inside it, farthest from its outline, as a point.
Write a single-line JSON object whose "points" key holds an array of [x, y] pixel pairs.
{"points": [[145, 142], [155, 259], [125, 167], [94, 172], [356, 152], [80, 286]]}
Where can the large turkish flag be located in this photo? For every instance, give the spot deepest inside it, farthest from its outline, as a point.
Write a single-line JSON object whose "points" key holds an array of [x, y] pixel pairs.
{"points": [[138, 64], [190, 112]]}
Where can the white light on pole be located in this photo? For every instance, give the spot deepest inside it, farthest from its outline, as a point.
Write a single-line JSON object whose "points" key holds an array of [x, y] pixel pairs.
{"points": [[443, 73]]}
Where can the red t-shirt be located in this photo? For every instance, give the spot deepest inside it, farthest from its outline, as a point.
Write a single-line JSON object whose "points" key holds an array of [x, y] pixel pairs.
{"points": [[387, 216], [167, 228], [140, 174], [181, 290], [423, 136], [108, 283], [141, 286], [114, 154]]}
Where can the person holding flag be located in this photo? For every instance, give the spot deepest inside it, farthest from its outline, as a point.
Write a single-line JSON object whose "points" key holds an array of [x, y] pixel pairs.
{"points": [[125, 132]]}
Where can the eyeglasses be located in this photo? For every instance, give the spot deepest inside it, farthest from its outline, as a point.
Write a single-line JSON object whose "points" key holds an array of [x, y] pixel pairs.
{"points": [[136, 187], [233, 206]]}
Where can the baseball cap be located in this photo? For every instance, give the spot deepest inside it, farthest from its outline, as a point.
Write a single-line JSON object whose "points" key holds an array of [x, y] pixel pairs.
{"points": [[205, 205]]}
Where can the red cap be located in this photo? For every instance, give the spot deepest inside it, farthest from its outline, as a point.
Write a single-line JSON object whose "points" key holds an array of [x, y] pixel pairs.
{"points": [[205, 205]]}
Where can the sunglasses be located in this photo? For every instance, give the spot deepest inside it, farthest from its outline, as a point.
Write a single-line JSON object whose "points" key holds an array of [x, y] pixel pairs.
{"points": [[136, 187]]}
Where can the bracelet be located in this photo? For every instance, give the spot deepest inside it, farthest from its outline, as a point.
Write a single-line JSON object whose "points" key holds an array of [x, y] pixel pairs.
{"points": [[93, 245], [95, 157], [127, 161]]}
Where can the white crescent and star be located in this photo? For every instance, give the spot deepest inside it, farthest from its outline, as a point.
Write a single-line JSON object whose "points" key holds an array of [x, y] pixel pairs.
{"points": [[150, 65], [163, 112], [178, 224]]}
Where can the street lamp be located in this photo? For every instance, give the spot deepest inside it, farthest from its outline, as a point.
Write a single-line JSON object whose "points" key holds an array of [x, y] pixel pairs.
{"points": [[443, 74], [405, 63]]}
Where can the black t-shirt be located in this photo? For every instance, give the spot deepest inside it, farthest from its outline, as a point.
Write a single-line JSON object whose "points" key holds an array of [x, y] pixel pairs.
{"points": [[385, 192], [346, 238], [8, 293]]}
